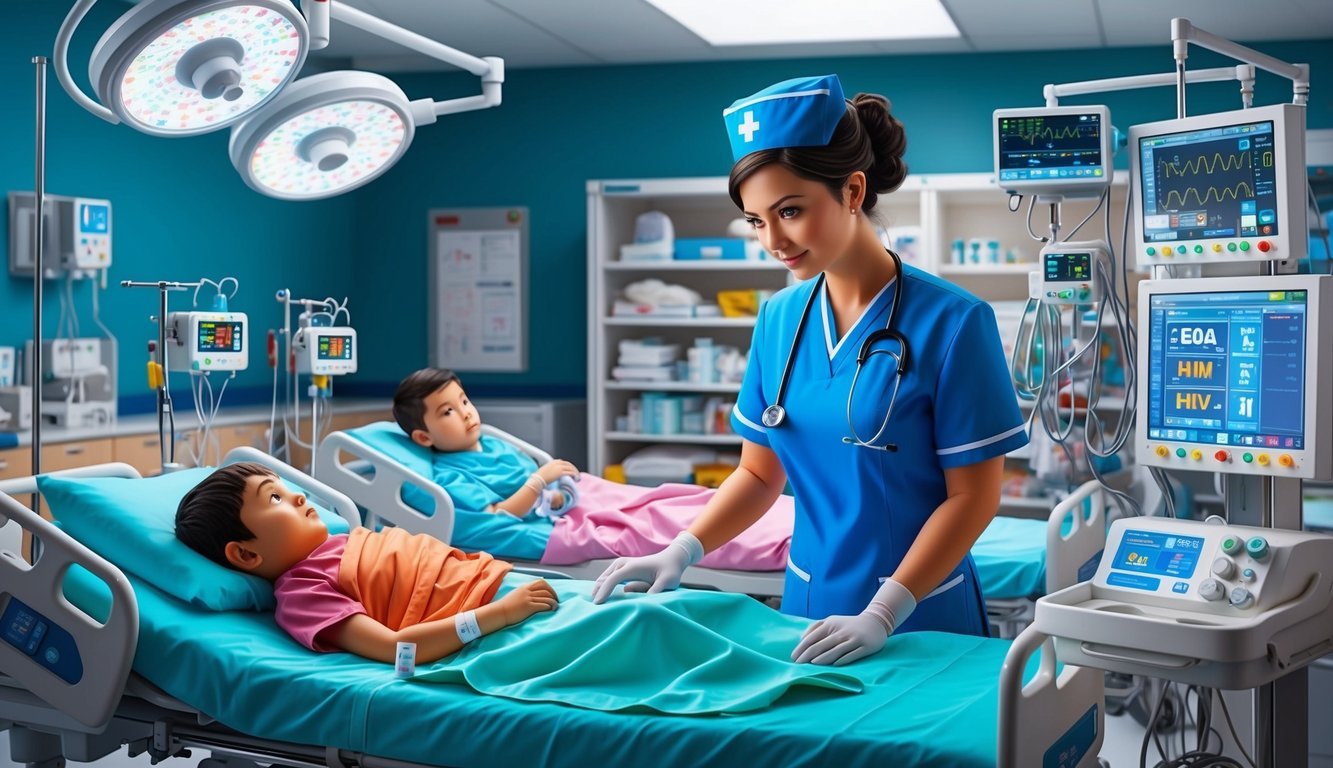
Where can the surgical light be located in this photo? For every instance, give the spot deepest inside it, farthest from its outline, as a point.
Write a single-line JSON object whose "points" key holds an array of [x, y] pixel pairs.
{"points": [[324, 135], [173, 68]]}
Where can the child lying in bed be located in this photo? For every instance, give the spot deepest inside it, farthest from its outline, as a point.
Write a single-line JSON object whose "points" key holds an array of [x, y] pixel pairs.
{"points": [[584, 516], [361, 592]]}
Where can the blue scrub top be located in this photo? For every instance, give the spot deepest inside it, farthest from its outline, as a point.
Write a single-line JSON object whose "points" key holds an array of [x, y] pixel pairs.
{"points": [[858, 510]]}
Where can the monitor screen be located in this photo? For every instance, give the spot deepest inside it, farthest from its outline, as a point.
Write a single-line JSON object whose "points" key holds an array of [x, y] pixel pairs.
{"points": [[1228, 368], [1209, 183], [334, 348], [1159, 554], [94, 219], [1050, 148], [1074, 267], [219, 336]]}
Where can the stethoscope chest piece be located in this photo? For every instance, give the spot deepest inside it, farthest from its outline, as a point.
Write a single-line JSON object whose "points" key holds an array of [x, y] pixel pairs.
{"points": [[774, 415]]}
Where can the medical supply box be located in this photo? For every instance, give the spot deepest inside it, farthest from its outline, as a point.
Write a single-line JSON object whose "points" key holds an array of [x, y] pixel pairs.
{"points": [[718, 248]]}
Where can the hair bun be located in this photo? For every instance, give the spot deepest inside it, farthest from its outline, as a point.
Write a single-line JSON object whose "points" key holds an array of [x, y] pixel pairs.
{"points": [[888, 140]]}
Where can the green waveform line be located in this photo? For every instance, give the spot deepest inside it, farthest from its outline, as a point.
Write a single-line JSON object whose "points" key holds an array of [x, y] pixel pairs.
{"points": [[1203, 164], [1048, 133], [1224, 193]]}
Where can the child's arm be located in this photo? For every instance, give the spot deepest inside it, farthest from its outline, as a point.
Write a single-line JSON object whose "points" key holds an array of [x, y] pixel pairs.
{"points": [[524, 498], [366, 637]]}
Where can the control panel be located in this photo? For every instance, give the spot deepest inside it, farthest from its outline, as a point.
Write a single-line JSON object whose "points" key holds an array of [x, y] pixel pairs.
{"points": [[43, 640], [1069, 272], [91, 234]]}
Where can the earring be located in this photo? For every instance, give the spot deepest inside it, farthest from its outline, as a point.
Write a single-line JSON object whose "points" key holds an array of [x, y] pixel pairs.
{"points": [[853, 211]]}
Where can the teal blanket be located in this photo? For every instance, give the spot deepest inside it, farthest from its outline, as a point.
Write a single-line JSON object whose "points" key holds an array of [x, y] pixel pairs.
{"points": [[684, 652]]}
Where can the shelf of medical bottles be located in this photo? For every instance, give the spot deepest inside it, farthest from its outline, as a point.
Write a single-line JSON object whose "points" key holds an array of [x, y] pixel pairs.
{"points": [[721, 265], [672, 386], [1212, 458], [988, 270], [641, 437], [681, 322]]}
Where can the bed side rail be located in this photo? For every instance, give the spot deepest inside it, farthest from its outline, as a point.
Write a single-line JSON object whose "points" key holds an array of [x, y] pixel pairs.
{"points": [[380, 493], [1053, 716], [57, 652], [1069, 554], [536, 454], [321, 492]]}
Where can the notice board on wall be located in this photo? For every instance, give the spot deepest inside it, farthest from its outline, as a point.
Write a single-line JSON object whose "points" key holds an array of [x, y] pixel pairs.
{"points": [[479, 289]]}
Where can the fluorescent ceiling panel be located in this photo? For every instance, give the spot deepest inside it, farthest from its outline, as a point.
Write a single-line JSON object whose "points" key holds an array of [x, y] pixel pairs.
{"points": [[728, 22]]}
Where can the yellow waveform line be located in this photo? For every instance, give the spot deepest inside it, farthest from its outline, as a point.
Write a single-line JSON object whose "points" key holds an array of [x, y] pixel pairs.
{"points": [[1224, 193], [1203, 164], [1048, 133]]}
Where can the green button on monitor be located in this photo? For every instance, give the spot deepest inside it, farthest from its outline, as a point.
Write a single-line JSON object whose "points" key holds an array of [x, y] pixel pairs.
{"points": [[1257, 547], [1247, 458], [1231, 246], [1152, 251], [1180, 452], [1198, 249], [1245, 245], [1232, 545]]}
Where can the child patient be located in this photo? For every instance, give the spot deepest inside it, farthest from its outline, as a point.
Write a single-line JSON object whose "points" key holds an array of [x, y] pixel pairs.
{"points": [[361, 592]]}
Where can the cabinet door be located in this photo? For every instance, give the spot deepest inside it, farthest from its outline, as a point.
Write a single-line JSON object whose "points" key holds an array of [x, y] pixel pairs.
{"points": [[143, 452], [242, 435], [76, 454], [15, 462]]}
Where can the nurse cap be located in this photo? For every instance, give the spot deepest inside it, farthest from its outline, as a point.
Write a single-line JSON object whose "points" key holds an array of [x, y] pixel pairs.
{"points": [[793, 113]]}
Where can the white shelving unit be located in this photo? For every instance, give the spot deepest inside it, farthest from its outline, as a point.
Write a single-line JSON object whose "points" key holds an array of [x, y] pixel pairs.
{"points": [[946, 207]]}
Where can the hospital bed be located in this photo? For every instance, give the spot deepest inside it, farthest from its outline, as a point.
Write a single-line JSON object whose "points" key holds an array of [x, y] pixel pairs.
{"points": [[232, 683], [1018, 559]]}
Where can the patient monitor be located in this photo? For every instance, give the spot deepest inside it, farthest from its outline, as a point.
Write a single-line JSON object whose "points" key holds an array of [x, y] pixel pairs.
{"points": [[325, 350], [1212, 604], [1222, 187], [1054, 152], [207, 341], [1232, 378]]}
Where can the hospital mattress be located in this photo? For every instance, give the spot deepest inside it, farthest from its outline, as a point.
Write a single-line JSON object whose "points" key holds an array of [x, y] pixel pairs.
{"points": [[928, 699], [1011, 558]]}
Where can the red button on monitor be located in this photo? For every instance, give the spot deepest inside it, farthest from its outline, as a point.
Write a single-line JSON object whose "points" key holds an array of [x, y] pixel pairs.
{"points": [[1222, 456], [1265, 246]]}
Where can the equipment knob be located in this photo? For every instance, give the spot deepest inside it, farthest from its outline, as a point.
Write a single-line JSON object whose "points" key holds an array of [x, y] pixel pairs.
{"points": [[1224, 567], [1196, 454], [1241, 598], [1232, 545], [1161, 451], [1286, 460], [1245, 245], [1211, 589], [1257, 547], [1263, 459], [1247, 575], [1180, 453]]}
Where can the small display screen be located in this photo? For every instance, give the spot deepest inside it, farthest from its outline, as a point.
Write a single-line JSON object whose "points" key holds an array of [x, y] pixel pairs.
{"points": [[1158, 554], [219, 336], [1228, 368], [94, 219], [1069, 267], [334, 348], [1056, 148], [1215, 182]]}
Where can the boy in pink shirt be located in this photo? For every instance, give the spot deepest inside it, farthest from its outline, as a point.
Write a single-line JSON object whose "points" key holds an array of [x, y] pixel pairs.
{"points": [[361, 592]]}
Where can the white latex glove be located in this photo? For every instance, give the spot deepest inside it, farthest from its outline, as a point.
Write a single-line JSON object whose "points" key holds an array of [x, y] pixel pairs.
{"points": [[841, 640], [650, 573]]}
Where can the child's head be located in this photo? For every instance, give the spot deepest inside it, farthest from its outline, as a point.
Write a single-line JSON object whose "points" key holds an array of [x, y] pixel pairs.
{"points": [[243, 517], [432, 408]]}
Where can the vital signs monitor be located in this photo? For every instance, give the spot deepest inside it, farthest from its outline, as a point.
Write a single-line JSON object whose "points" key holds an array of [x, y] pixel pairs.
{"points": [[1231, 378], [207, 341], [1228, 186], [1053, 151]]}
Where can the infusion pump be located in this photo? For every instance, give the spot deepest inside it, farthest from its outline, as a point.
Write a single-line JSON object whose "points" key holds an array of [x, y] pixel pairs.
{"points": [[1212, 604], [325, 350]]}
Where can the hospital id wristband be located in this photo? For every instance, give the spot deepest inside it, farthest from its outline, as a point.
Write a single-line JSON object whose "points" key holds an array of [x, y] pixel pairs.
{"points": [[534, 483], [467, 627], [892, 604]]}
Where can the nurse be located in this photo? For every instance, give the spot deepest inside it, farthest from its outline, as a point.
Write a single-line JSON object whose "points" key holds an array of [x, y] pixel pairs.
{"points": [[879, 390]]}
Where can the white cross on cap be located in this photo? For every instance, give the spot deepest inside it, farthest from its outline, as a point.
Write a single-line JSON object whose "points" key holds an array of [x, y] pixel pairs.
{"points": [[748, 127]]}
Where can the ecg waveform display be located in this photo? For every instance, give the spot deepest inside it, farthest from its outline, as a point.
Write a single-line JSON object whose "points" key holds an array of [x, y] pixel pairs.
{"points": [[1219, 182], [1056, 147]]}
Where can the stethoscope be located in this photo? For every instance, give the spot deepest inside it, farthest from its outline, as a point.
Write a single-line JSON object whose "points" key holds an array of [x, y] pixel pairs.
{"points": [[775, 415]]}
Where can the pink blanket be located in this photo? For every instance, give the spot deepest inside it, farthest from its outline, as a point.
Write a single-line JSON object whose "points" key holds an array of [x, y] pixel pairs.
{"points": [[615, 520]]}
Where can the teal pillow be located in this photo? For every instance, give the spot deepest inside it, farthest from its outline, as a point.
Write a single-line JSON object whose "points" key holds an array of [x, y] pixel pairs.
{"points": [[132, 523]]}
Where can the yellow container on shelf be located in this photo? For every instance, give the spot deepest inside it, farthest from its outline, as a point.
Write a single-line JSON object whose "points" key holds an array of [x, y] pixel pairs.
{"points": [[615, 473], [740, 303], [712, 475]]}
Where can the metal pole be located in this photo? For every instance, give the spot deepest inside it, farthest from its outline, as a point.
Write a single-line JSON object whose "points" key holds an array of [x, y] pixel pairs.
{"points": [[38, 271]]}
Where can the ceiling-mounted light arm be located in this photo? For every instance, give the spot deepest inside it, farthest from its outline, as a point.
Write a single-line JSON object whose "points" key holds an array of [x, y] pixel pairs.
{"points": [[1241, 72], [61, 60], [1183, 33], [317, 19], [424, 111]]}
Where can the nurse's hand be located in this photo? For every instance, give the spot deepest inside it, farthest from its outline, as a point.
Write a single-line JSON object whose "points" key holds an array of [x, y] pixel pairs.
{"points": [[841, 639], [650, 573]]}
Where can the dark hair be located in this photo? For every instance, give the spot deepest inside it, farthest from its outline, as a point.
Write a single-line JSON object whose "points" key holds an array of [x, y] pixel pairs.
{"points": [[409, 400], [209, 517], [868, 138]]}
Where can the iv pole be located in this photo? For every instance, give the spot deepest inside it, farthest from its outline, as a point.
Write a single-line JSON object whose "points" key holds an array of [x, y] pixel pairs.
{"points": [[39, 228]]}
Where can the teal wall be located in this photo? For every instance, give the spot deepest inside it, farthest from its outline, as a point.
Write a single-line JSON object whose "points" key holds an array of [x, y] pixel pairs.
{"points": [[558, 128], [180, 212]]}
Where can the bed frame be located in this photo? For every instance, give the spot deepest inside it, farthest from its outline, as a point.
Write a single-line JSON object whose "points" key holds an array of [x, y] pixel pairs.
{"points": [[50, 720]]}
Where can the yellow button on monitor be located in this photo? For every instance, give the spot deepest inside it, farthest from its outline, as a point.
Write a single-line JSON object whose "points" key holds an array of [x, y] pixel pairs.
{"points": [[1263, 459], [1162, 451], [1196, 454]]}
